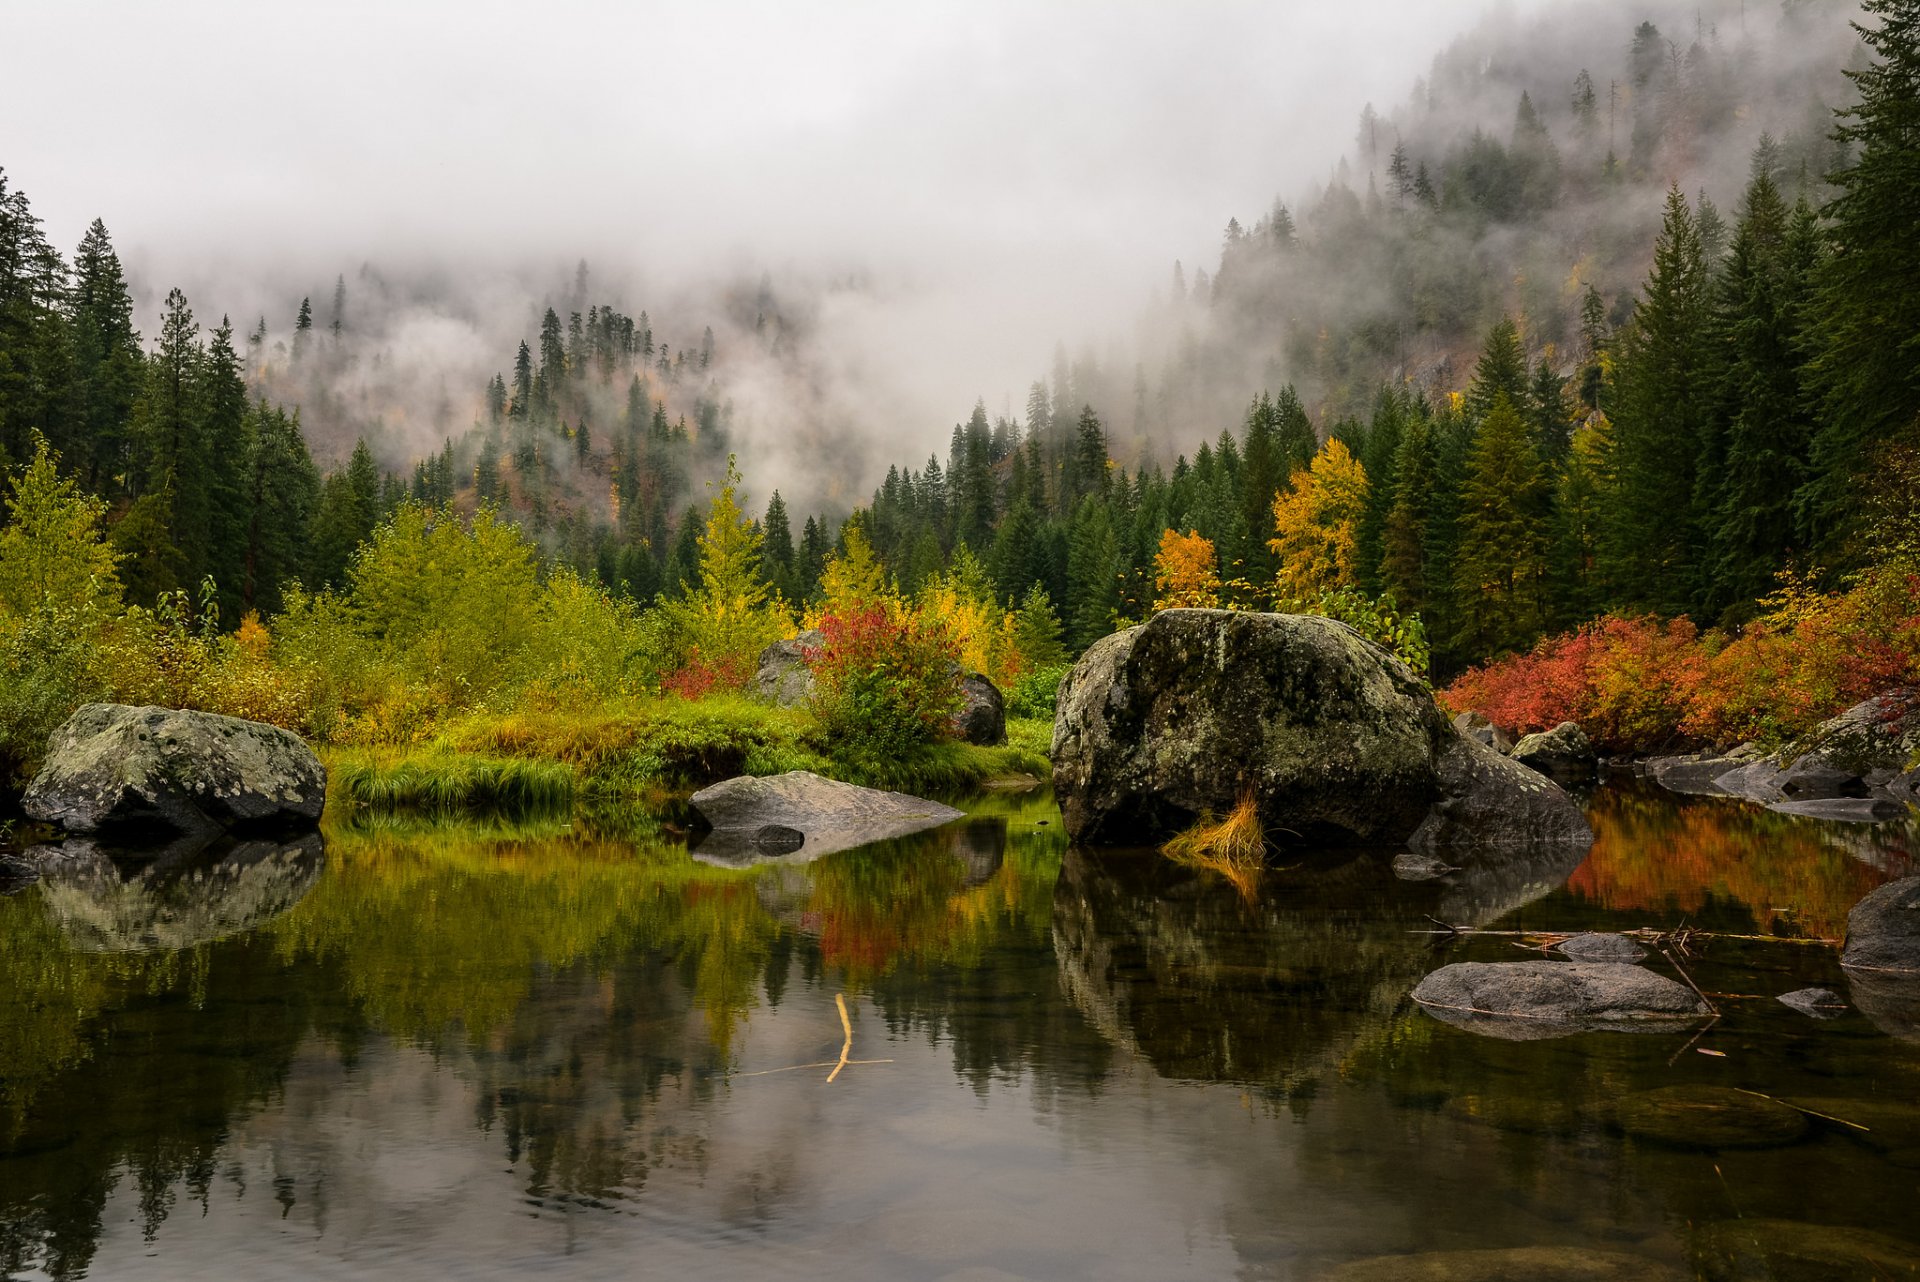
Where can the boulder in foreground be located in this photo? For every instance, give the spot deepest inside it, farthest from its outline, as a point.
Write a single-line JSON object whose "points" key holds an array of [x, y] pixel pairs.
{"points": [[1529, 1000], [1334, 738], [135, 771], [801, 816]]}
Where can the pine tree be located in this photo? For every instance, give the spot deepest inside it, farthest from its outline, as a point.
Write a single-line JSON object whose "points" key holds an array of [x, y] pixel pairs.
{"points": [[302, 330], [1662, 417], [1501, 570], [282, 491], [1092, 575], [1403, 555], [174, 450], [1502, 371], [222, 407], [107, 364], [1866, 368], [777, 546]]}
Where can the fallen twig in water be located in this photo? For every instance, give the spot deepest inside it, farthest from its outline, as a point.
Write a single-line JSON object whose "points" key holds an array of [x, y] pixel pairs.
{"points": [[1645, 934], [846, 1051], [1810, 1112]]}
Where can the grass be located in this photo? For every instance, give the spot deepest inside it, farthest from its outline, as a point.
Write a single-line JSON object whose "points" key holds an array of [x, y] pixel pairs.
{"points": [[527, 764], [1234, 847], [440, 783]]}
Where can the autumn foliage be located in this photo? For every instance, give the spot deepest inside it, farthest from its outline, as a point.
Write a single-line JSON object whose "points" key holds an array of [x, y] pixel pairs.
{"points": [[1185, 573], [1639, 684]]}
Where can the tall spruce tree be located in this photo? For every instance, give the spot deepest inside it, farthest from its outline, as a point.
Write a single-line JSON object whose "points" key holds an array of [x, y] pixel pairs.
{"points": [[1501, 571]]}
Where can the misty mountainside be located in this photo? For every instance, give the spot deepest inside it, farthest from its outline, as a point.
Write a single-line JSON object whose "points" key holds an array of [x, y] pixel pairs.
{"points": [[1571, 330]]}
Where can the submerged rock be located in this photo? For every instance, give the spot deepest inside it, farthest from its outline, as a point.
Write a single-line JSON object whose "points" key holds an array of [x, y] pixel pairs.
{"points": [[1815, 1003], [1530, 1000], [1790, 1251], [1414, 866], [1514, 1264], [785, 674], [1708, 1117], [982, 718], [752, 819], [160, 771], [1334, 738], [1597, 947], [1852, 810], [1563, 754]]}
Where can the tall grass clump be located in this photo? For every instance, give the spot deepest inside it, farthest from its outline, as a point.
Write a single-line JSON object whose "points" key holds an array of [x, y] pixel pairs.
{"points": [[450, 784], [1234, 846]]}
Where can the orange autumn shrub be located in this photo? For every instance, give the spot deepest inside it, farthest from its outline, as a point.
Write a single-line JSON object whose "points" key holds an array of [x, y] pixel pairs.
{"points": [[1185, 573], [1640, 685]]}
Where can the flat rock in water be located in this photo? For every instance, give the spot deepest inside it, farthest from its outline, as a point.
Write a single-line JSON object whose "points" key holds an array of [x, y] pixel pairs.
{"points": [[1852, 810], [755, 819], [1530, 1000], [134, 771], [1413, 866], [1514, 1264], [1755, 781], [1692, 774], [1522, 1114], [1790, 1251], [1708, 1117], [1818, 1003], [1602, 948]]}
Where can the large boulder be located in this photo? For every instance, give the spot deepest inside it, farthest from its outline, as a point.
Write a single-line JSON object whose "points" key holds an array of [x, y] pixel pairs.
{"points": [[129, 772], [785, 675], [1334, 738], [982, 718], [1528, 1000], [1882, 957], [1883, 930], [1563, 754], [1876, 738], [802, 816]]}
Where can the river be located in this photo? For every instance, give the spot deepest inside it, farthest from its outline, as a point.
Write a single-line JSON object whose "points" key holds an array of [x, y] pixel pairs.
{"points": [[479, 1052]]}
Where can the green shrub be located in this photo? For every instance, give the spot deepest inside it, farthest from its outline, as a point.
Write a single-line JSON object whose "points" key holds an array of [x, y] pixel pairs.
{"points": [[1035, 693]]}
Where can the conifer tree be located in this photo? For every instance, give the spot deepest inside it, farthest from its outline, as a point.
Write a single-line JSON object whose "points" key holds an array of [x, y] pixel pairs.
{"points": [[1501, 371], [107, 365], [1092, 575], [1501, 570]]}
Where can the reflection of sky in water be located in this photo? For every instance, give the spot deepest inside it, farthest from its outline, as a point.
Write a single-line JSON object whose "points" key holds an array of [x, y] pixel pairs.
{"points": [[485, 1055]]}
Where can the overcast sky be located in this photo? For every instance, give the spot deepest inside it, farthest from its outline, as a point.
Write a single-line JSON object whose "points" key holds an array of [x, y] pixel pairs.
{"points": [[1010, 173]]}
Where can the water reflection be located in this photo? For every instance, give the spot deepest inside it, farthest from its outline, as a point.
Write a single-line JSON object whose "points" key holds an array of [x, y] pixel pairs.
{"points": [[460, 1050]]}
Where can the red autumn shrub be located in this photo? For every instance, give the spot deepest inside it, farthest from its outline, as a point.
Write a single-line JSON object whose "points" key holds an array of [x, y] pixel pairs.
{"points": [[698, 677], [884, 683]]}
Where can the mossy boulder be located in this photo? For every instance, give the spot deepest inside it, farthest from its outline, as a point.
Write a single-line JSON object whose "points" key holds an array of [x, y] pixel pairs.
{"points": [[1334, 738], [785, 672], [131, 772], [1563, 754]]}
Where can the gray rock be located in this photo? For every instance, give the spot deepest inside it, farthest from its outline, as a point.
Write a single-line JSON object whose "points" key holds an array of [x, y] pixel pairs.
{"points": [[1509, 1264], [117, 769], [785, 675], [1487, 800], [1853, 810], [1714, 1117], [1413, 866], [1755, 781], [1811, 778], [1530, 1000], [982, 718], [1602, 948], [1882, 957], [1477, 725], [1815, 1003], [1563, 754], [1790, 1251], [1334, 738], [1880, 733], [752, 820], [1695, 774], [1883, 930], [1905, 788]]}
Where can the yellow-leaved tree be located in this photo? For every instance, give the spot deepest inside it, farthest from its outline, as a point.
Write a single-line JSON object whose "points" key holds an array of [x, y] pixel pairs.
{"points": [[733, 614], [1186, 573], [1316, 524], [853, 580]]}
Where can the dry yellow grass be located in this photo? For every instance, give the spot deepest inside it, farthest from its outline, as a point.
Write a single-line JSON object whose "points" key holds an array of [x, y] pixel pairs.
{"points": [[1235, 847]]}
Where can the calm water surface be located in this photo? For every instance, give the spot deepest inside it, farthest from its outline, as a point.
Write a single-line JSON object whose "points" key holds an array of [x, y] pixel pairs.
{"points": [[455, 1052]]}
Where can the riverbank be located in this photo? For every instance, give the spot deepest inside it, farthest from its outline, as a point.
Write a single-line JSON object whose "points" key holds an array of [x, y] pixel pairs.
{"points": [[641, 751]]}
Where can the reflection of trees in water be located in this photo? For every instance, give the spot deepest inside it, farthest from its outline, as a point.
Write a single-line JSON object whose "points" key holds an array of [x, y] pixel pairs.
{"points": [[1733, 865]]}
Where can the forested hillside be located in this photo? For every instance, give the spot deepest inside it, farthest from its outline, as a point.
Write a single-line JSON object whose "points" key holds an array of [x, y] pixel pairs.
{"points": [[1515, 366]]}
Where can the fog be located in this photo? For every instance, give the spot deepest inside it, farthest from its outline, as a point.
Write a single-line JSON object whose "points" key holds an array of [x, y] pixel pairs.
{"points": [[936, 193]]}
